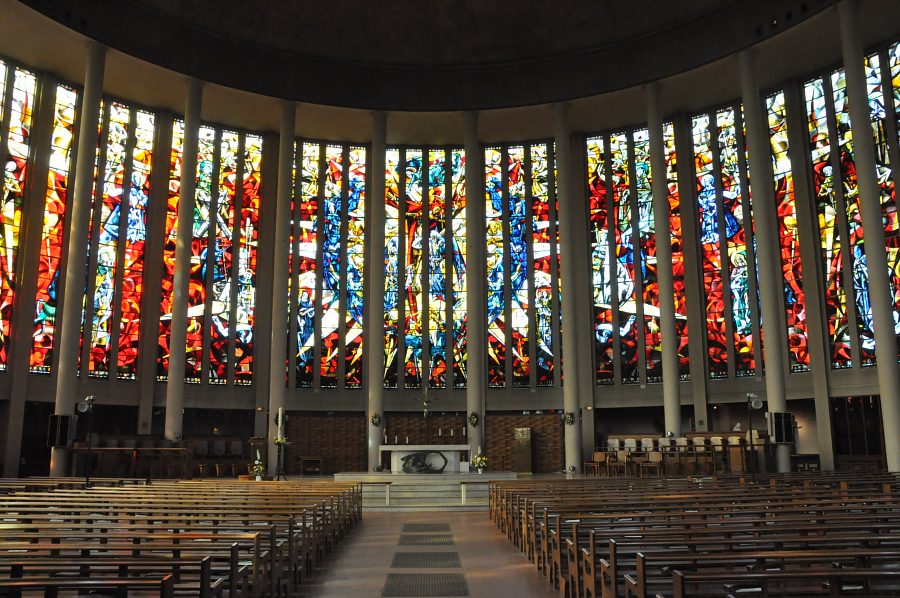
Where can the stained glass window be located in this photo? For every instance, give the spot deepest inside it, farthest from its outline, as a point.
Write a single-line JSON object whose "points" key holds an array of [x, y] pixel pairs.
{"points": [[598, 174], [355, 242], [788, 236], [621, 216], [53, 229], [222, 275], [840, 220], [520, 212], [727, 255], [115, 271], [132, 283], [431, 246], [327, 261], [496, 278], [675, 233], [22, 86], [245, 310], [173, 194]]}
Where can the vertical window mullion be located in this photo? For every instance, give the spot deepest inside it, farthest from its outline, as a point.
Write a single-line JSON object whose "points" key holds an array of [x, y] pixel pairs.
{"points": [[449, 291], [637, 263], [401, 271], [750, 236], [425, 229], [237, 242], [528, 198], [507, 269], [613, 261], [320, 268], [840, 208], [87, 326], [294, 269], [556, 317]]}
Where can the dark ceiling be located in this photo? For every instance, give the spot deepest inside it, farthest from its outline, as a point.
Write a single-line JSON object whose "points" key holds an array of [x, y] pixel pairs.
{"points": [[429, 55], [433, 32]]}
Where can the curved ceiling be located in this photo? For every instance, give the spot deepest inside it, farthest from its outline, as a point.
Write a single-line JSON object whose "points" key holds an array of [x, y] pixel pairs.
{"points": [[434, 55]]}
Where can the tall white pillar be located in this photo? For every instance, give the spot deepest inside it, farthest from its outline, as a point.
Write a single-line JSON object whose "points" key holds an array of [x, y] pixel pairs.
{"points": [[73, 291], [278, 338], [569, 219], [876, 256], [476, 331], [183, 237], [767, 254], [665, 276], [375, 287]]}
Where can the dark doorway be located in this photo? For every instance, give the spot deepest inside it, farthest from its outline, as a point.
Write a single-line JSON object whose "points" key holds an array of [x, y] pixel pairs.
{"points": [[858, 433]]}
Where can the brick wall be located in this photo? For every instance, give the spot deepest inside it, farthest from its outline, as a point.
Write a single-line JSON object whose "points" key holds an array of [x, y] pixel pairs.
{"points": [[547, 452], [340, 439], [434, 429]]}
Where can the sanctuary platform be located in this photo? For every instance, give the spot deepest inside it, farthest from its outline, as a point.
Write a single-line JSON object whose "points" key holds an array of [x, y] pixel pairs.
{"points": [[425, 492]]}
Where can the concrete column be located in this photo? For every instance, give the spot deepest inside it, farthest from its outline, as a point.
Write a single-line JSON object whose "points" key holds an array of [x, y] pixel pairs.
{"points": [[476, 299], [569, 220], [768, 258], [665, 277], [156, 231], [808, 227], [693, 282], [278, 338], [876, 256], [73, 289], [374, 287], [29, 258], [175, 382]]}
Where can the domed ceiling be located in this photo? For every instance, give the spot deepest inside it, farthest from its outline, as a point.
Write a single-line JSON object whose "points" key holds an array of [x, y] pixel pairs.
{"points": [[427, 55], [434, 32]]}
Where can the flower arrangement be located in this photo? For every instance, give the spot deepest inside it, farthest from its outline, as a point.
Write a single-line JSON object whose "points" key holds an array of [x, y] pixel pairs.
{"points": [[568, 418], [280, 440], [474, 419], [479, 462], [375, 420], [258, 468]]}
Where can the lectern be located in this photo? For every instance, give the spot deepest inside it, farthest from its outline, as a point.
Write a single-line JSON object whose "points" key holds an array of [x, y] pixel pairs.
{"points": [[522, 450]]}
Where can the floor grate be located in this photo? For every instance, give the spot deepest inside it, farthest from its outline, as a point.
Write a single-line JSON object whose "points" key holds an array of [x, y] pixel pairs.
{"points": [[426, 560], [427, 540], [425, 585], [426, 527]]}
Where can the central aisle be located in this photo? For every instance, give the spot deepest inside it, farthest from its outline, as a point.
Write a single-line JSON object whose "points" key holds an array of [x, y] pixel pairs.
{"points": [[490, 566]]}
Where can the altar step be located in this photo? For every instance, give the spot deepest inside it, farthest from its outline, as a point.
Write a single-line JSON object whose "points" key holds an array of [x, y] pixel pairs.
{"points": [[410, 492]]}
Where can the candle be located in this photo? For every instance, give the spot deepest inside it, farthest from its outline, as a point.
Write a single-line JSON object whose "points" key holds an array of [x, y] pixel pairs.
{"points": [[464, 431], [439, 432], [407, 440], [280, 421], [451, 431], [395, 439]]}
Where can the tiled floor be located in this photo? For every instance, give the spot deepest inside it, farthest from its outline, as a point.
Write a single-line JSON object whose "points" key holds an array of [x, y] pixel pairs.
{"points": [[492, 566]]}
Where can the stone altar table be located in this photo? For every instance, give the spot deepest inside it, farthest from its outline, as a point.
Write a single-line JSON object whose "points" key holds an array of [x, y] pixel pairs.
{"points": [[449, 451]]}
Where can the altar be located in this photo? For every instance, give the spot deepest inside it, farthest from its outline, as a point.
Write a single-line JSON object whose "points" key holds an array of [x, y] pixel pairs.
{"points": [[433, 455]]}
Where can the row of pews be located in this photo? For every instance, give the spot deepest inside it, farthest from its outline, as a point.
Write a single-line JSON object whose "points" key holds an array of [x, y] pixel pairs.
{"points": [[814, 534], [205, 538]]}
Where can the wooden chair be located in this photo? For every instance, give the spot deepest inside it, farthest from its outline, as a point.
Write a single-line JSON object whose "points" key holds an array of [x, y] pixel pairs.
{"points": [[620, 463], [654, 461], [593, 466]]}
